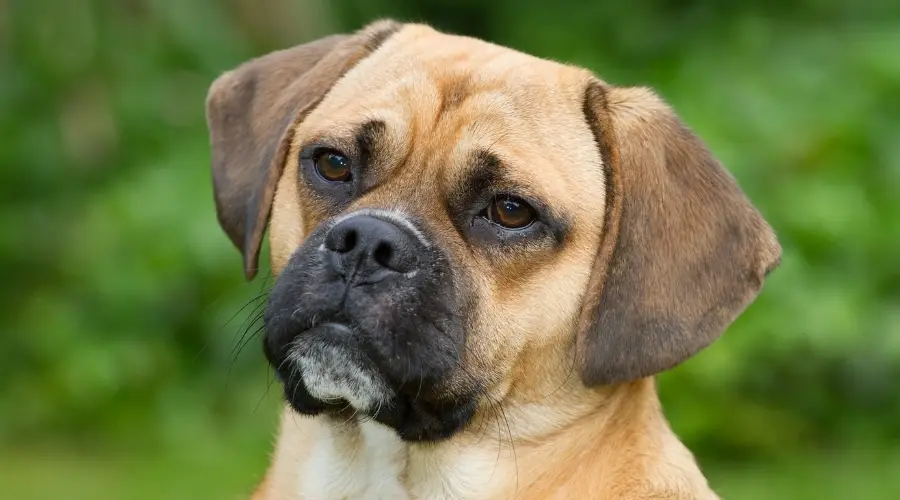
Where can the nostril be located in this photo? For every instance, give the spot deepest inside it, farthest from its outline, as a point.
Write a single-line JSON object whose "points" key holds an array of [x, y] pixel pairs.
{"points": [[347, 242], [369, 249], [382, 254]]}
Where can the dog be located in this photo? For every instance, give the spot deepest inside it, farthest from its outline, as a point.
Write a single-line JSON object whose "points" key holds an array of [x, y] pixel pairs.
{"points": [[482, 260]]}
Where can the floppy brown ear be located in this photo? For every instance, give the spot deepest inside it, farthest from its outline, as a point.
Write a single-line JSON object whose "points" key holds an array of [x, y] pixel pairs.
{"points": [[683, 251], [249, 113]]}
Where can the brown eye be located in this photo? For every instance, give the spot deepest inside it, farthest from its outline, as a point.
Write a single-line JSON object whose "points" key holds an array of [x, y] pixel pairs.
{"points": [[509, 212], [333, 167]]}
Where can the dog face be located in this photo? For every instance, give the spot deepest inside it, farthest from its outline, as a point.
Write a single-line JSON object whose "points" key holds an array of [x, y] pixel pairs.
{"points": [[452, 220]]}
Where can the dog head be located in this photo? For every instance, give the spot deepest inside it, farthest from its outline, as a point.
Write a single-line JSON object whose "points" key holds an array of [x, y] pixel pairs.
{"points": [[441, 208]]}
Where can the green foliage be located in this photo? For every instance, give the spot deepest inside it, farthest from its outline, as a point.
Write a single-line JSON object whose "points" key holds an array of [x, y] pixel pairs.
{"points": [[118, 285]]}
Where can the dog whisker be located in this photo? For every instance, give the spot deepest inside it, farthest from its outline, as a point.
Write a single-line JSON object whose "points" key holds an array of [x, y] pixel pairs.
{"points": [[265, 393], [512, 443], [255, 315]]}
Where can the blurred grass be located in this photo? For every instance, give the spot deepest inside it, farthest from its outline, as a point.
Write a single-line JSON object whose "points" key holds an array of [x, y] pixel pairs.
{"points": [[205, 469], [128, 368]]}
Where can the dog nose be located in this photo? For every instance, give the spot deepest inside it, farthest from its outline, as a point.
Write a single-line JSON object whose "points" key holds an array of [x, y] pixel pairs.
{"points": [[370, 249]]}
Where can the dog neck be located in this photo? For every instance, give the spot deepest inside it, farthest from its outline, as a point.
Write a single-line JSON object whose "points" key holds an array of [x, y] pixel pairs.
{"points": [[611, 443]]}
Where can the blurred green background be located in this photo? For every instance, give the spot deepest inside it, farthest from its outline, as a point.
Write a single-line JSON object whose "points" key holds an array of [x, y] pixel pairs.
{"points": [[121, 368]]}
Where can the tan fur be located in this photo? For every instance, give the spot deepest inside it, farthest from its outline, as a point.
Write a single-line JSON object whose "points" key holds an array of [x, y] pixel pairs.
{"points": [[555, 422]]}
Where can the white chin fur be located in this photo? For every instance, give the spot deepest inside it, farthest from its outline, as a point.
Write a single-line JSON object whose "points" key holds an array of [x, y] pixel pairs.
{"points": [[330, 374]]}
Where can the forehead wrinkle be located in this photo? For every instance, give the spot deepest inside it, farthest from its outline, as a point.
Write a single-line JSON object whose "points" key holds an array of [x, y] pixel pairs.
{"points": [[482, 134], [453, 88]]}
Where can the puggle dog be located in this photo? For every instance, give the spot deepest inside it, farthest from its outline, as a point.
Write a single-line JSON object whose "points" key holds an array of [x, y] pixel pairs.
{"points": [[482, 259]]}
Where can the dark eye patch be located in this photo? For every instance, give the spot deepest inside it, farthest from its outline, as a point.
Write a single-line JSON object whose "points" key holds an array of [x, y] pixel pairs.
{"points": [[330, 170], [337, 168], [489, 208]]}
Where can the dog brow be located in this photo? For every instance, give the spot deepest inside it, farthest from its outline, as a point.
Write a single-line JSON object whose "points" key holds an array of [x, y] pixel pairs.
{"points": [[485, 170], [484, 173], [367, 138]]}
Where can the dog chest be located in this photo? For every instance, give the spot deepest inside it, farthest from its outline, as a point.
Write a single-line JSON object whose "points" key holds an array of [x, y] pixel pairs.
{"points": [[362, 461]]}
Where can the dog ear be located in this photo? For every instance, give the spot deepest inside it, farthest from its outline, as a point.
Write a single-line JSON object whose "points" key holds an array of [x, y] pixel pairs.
{"points": [[683, 251], [250, 112]]}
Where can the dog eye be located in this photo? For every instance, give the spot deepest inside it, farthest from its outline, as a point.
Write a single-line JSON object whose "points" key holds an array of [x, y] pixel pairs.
{"points": [[332, 166], [510, 212]]}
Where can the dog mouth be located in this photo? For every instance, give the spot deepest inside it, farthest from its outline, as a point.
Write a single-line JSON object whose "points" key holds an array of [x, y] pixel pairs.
{"points": [[326, 370]]}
